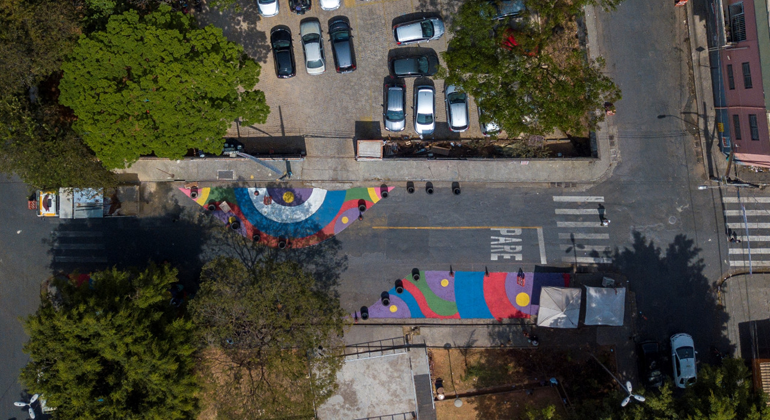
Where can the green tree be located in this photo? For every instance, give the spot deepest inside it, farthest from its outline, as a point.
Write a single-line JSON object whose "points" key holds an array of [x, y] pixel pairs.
{"points": [[158, 84], [531, 88], [42, 150], [35, 36], [113, 347], [271, 337]]}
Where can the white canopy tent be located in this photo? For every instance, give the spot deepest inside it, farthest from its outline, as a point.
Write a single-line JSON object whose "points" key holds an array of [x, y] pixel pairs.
{"points": [[605, 305], [559, 307]]}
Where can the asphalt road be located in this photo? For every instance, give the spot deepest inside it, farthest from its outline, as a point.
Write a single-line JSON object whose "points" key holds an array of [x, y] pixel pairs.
{"points": [[665, 235]]}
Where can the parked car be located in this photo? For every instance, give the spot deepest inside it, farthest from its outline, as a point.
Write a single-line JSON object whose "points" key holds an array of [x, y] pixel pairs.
{"points": [[488, 127], [456, 109], [283, 53], [420, 30], [424, 109], [329, 4], [507, 8], [341, 38], [268, 8], [394, 114], [650, 364], [414, 65], [683, 356], [313, 46], [300, 6]]}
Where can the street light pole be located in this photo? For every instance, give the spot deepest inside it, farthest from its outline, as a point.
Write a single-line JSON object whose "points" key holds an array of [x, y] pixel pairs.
{"points": [[627, 387]]}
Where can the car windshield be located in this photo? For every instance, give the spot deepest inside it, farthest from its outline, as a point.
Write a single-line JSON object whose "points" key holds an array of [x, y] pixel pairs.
{"points": [[424, 118], [456, 98], [685, 352], [266, 1], [281, 44], [427, 28], [341, 36], [422, 64], [311, 38], [395, 115], [315, 64]]}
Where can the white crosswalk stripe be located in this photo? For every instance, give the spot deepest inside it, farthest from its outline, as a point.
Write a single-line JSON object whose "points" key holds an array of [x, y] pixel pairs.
{"points": [[751, 244], [78, 246], [579, 223]]}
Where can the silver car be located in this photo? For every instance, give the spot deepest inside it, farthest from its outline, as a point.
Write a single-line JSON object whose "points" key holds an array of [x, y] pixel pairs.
{"points": [[488, 127], [456, 109], [420, 30], [268, 8], [312, 45], [395, 106], [424, 110]]}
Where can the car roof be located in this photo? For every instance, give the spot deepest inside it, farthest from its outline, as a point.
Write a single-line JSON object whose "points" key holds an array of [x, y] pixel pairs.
{"points": [[396, 98], [344, 53], [425, 99], [458, 114], [410, 30], [313, 51]]}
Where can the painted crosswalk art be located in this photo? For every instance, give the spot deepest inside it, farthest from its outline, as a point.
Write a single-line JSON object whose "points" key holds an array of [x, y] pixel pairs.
{"points": [[750, 246], [583, 239]]}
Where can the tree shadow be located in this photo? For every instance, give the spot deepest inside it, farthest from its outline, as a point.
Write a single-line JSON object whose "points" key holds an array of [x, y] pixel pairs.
{"points": [[239, 25]]}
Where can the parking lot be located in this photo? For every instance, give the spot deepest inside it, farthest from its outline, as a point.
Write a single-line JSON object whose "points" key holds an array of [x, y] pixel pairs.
{"points": [[338, 105]]}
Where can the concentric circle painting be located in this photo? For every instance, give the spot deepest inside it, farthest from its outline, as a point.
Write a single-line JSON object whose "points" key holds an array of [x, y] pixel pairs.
{"points": [[287, 217]]}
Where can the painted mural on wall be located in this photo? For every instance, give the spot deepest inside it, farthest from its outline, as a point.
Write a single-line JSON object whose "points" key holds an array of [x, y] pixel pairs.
{"points": [[466, 295], [293, 217]]}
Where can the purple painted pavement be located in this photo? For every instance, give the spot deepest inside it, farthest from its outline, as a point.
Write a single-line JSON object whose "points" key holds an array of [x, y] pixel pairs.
{"points": [[433, 278], [512, 289], [300, 195], [378, 310]]}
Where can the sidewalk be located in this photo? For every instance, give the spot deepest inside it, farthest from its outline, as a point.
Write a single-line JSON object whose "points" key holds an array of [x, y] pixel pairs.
{"points": [[746, 300]]}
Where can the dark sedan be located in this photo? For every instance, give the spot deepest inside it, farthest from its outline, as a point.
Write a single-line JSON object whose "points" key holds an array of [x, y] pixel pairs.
{"points": [[414, 65], [283, 53], [650, 364], [342, 46]]}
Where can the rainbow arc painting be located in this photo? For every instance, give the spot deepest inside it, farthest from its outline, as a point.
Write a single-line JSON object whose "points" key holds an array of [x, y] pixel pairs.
{"points": [[295, 217]]}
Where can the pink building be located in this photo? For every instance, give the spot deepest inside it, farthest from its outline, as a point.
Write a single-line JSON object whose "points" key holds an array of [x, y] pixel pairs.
{"points": [[745, 67]]}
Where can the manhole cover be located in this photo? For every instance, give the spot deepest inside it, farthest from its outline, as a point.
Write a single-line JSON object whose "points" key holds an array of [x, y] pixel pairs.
{"points": [[672, 220]]}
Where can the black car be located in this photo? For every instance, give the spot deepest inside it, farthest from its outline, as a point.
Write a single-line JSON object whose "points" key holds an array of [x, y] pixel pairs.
{"points": [[342, 46], [650, 364], [283, 53], [300, 6], [414, 65]]}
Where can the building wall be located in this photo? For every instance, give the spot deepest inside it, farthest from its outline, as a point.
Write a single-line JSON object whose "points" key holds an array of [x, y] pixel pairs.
{"points": [[741, 101]]}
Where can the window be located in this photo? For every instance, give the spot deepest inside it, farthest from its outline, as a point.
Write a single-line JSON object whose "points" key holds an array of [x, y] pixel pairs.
{"points": [[746, 76], [730, 77], [737, 126], [753, 126], [737, 31]]}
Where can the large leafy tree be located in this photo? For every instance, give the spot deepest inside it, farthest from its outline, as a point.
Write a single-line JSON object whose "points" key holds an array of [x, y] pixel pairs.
{"points": [[42, 150], [270, 335], [113, 347], [158, 84], [532, 87]]}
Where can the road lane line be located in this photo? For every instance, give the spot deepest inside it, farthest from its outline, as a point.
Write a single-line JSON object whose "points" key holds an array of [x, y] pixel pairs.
{"points": [[584, 236], [754, 251], [577, 199], [748, 225], [587, 260], [586, 248], [755, 238], [452, 227], [595, 224], [753, 263], [748, 213], [746, 200], [578, 211], [541, 242]]}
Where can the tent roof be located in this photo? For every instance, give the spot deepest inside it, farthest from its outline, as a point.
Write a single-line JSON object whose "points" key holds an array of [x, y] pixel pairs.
{"points": [[559, 307], [605, 305]]}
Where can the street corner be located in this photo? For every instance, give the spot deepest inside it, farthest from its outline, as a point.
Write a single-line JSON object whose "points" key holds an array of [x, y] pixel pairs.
{"points": [[463, 295], [287, 217]]}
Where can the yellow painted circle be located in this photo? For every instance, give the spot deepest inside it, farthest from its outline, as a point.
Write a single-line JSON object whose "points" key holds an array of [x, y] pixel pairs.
{"points": [[345, 219], [522, 299], [393, 308], [288, 196], [444, 283]]}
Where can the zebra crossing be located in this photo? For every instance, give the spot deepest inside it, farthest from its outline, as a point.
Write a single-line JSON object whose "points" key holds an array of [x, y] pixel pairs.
{"points": [[79, 244], [751, 246], [582, 237]]}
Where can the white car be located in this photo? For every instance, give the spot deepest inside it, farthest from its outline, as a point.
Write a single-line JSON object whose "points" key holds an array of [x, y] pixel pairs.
{"points": [[268, 8], [424, 110], [683, 356], [329, 4], [313, 45]]}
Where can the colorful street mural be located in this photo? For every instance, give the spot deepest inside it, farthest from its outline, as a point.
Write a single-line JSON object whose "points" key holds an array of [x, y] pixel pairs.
{"points": [[467, 294], [294, 217]]}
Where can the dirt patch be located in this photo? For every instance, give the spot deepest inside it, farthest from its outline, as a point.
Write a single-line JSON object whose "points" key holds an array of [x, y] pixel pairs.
{"points": [[508, 405]]}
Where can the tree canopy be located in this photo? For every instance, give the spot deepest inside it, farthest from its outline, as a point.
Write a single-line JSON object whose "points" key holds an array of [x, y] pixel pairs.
{"points": [[112, 347], [528, 85], [271, 337], [158, 84]]}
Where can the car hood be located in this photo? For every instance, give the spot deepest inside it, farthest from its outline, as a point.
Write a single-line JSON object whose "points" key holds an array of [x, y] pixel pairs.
{"points": [[395, 125], [438, 27], [270, 9], [329, 4]]}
